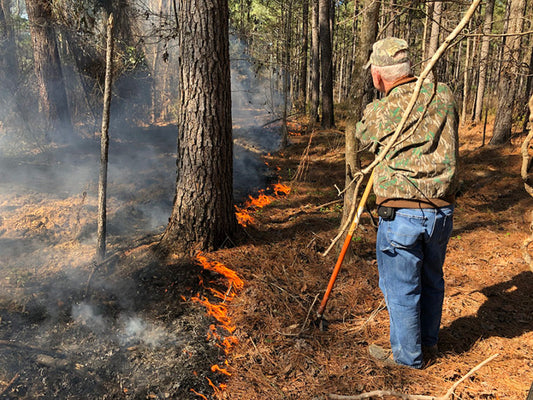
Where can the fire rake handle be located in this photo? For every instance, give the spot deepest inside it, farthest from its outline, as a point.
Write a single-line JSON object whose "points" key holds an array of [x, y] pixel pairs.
{"points": [[345, 246]]}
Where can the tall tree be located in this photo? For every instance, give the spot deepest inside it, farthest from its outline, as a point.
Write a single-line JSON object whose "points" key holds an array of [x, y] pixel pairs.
{"points": [[508, 83], [326, 64], [305, 47], [8, 53], [435, 33], [53, 102], [360, 96], [314, 74], [483, 59], [203, 214]]}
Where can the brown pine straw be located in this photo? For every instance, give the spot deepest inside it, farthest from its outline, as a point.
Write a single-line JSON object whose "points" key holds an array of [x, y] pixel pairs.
{"points": [[382, 393]]}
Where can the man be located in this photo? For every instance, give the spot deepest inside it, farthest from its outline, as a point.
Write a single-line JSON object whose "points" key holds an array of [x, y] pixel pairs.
{"points": [[415, 187]]}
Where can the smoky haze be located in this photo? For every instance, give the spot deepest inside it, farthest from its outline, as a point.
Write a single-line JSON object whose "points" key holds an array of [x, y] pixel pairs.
{"points": [[95, 322]]}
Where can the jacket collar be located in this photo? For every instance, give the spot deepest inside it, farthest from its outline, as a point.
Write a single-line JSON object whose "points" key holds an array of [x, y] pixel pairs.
{"points": [[401, 81]]}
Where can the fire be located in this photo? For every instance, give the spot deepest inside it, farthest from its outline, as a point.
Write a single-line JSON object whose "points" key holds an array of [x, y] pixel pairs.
{"points": [[219, 312], [243, 214]]}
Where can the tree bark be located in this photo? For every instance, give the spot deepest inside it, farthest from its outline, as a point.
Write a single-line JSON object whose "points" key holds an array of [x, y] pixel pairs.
{"points": [[466, 77], [360, 95], [314, 76], [434, 35], [104, 147], [302, 84], [483, 60], [203, 213], [8, 48], [326, 64], [53, 102], [509, 76]]}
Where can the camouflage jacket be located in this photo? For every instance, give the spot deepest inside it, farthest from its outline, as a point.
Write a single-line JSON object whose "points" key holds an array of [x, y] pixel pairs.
{"points": [[423, 164]]}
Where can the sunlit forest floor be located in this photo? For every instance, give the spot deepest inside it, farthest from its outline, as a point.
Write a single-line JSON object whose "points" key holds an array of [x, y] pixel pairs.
{"points": [[137, 327]]}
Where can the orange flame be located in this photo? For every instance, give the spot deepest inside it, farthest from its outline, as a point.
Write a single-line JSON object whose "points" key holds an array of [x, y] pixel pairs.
{"points": [[244, 217], [236, 282], [198, 394], [220, 313], [216, 368]]}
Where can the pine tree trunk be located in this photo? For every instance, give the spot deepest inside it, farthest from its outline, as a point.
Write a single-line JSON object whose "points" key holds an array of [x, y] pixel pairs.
{"points": [[466, 78], [203, 213], [314, 76], [483, 60], [509, 77], [9, 70], [302, 83], [53, 102], [361, 93], [434, 35], [326, 65]]}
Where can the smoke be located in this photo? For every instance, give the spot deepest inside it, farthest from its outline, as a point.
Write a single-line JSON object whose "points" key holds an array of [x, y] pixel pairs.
{"points": [[136, 330], [48, 207], [255, 109], [130, 330], [86, 315]]}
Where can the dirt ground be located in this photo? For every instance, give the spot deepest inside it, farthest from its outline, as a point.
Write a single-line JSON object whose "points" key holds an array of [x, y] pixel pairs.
{"points": [[137, 326]]}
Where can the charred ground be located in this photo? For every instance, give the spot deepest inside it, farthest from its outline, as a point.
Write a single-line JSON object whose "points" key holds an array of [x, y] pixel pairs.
{"points": [[129, 329]]}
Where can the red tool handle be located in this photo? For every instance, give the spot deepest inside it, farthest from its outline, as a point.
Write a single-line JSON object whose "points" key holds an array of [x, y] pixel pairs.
{"points": [[345, 246]]}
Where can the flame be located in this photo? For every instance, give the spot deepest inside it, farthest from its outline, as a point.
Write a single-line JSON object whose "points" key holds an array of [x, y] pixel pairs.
{"points": [[220, 313], [217, 311], [216, 368], [235, 282], [243, 214]]}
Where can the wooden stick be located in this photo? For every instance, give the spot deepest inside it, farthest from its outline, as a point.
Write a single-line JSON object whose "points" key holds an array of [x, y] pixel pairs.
{"points": [[11, 382]]}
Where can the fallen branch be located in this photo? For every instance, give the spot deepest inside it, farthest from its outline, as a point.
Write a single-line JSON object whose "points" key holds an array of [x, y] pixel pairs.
{"points": [[29, 347], [11, 382], [382, 393]]}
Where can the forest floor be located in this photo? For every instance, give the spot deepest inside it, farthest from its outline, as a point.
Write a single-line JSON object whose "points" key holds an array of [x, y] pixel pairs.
{"points": [[137, 326]]}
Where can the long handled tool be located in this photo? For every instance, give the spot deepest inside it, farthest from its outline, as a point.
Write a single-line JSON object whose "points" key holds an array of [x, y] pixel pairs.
{"points": [[320, 322]]}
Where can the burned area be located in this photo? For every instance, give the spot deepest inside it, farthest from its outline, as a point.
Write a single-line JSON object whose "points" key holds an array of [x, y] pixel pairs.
{"points": [[126, 328]]}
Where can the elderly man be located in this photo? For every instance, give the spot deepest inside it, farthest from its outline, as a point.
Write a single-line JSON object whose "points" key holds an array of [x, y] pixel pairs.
{"points": [[415, 186]]}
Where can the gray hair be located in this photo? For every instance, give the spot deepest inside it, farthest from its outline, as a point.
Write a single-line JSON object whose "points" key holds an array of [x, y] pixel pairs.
{"points": [[390, 73]]}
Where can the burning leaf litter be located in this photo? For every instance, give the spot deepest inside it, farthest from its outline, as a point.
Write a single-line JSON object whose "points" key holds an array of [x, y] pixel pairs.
{"points": [[244, 213], [219, 312]]}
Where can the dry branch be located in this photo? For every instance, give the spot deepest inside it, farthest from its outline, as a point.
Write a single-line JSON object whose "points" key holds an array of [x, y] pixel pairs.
{"points": [[392, 141], [4, 390], [382, 393]]}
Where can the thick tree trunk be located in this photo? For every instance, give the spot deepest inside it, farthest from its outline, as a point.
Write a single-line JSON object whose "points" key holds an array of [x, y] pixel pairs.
{"points": [[361, 93], [326, 64], [509, 77], [53, 102], [203, 215], [314, 75], [483, 60]]}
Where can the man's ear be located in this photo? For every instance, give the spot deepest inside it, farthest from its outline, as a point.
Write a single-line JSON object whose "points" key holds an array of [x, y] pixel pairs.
{"points": [[376, 79]]}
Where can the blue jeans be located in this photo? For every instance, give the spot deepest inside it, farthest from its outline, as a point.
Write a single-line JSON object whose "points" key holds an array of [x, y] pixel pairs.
{"points": [[410, 253]]}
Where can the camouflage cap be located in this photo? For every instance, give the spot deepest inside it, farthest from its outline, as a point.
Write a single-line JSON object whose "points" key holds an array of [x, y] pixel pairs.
{"points": [[384, 50]]}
